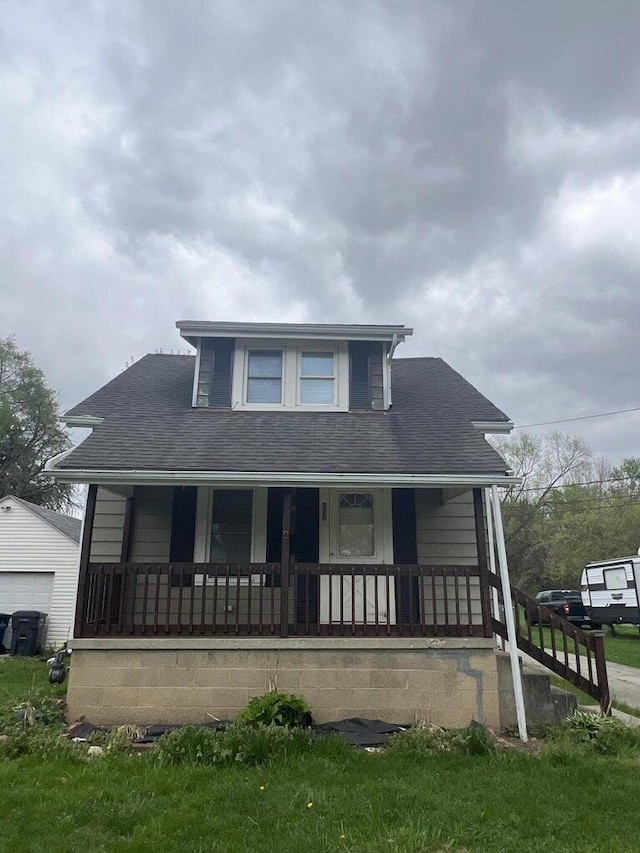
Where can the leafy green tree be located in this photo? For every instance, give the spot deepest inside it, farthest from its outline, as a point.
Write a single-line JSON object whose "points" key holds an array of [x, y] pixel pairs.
{"points": [[628, 475], [29, 430]]}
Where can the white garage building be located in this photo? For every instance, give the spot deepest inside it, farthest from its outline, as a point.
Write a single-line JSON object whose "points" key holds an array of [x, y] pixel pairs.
{"points": [[39, 555]]}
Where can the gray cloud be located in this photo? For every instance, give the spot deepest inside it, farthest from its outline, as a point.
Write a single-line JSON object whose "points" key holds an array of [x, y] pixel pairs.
{"points": [[469, 169]]}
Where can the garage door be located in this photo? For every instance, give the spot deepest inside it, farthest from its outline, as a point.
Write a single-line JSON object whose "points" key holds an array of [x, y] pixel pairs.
{"points": [[25, 591]]}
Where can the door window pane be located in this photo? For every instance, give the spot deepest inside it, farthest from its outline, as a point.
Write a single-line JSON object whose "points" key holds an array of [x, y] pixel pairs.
{"points": [[231, 526], [317, 378], [356, 531]]}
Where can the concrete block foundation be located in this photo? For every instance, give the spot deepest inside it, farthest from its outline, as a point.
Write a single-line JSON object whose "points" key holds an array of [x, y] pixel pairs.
{"points": [[447, 682]]}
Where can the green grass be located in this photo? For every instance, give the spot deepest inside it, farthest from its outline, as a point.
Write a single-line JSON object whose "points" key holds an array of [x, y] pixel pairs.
{"points": [[361, 802], [364, 802], [20, 676], [623, 648]]}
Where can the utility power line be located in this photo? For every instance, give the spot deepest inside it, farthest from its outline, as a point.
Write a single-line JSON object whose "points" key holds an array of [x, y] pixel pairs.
{"points": [[585, 483], [580, 418]]}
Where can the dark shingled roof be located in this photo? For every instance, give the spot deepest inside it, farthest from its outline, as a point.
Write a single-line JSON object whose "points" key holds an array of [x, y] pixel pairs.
{"points": [[66, 524], [151, 425]]}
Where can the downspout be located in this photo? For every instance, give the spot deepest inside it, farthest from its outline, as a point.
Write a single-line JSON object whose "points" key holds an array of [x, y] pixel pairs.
{"points": [[392, 349], [516, 673], [492, 562]]}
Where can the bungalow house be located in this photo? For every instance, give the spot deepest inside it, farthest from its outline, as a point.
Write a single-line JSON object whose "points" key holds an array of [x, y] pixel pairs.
{"points": [[292, 506], [39, 554]]}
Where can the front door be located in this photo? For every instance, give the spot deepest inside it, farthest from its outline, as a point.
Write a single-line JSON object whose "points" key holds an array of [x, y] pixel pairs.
{"points": [[354, 531]]}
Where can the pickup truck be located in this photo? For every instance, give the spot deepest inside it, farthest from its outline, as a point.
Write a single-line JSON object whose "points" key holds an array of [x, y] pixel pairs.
{"points": [[564, 602]]}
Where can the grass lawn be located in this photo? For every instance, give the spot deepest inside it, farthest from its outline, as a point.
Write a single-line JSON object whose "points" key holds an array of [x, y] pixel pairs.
{"points": [[19, 676], [360, 802], [623, 648], [368, 802]]}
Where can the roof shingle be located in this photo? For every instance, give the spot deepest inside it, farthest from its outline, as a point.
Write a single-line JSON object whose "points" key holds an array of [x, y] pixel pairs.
{"points": [[150, 425]]}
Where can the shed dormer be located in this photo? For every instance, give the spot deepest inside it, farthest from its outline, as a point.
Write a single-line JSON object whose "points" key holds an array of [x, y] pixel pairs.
{"points": [[292, 366]]}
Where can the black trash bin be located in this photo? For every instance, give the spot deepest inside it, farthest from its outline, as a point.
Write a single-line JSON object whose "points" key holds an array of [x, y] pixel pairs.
{"points": [[27, 627], [5, 618]]}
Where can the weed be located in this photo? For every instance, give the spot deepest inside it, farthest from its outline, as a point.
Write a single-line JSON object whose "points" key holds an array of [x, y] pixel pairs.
{"points": [[43, 743], [238, 743], [425, 739]]}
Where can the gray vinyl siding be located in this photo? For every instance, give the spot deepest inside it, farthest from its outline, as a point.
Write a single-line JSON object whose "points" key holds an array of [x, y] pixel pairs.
{"points": [[108, 526], [446, 536], [445, 532], [151, 524]]}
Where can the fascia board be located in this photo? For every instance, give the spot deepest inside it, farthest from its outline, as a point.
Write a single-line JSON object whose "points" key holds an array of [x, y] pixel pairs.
{"points": [[493, 427], [275, 478], [81, 420], [191, 329]]}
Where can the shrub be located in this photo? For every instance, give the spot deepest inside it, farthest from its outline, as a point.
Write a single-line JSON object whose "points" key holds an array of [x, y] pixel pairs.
{"points": [[238, 743], [280, 709], [592, 733]]}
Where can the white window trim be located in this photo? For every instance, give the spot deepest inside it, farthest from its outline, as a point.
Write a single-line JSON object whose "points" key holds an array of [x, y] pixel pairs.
{"points": [[334, 377], [291, 367], [202, 544]]}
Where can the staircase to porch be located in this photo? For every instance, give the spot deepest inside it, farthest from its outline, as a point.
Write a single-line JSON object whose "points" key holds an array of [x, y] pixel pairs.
{"points": [[564, 649]]}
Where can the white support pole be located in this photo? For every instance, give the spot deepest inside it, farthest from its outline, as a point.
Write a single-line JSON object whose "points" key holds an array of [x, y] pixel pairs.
{"points": [[492, 562], [516, 674]]}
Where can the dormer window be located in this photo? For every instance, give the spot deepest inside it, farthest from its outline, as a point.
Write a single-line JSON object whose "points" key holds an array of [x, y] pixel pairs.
{"points": [[317, 378], [305, 367], [297, 375], [264, 376]]}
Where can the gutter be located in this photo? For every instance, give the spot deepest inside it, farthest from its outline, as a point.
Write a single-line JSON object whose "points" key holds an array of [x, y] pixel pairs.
{"points": [[272, 478], [81, 420]]}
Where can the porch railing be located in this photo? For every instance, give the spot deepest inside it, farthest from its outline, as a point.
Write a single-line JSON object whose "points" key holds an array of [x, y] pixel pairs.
{"points": [[203, 599], [565, 649]]}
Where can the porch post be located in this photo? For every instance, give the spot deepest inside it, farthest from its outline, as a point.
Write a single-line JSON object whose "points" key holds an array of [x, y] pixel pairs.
{"points": [[85, 550], [492, 562], [516, 673], [284, 564], [481, 544], [126, 531]]}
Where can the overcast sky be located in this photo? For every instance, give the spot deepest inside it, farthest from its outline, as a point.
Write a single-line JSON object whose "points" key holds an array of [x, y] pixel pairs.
{"points": [[470, 169]]}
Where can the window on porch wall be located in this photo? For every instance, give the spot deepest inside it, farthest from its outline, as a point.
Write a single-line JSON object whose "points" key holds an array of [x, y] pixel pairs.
{"points": [[231, 518]]}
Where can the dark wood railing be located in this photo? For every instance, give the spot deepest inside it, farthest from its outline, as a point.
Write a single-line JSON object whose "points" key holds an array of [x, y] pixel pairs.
{"points": [[210, 599], [565, 649]]}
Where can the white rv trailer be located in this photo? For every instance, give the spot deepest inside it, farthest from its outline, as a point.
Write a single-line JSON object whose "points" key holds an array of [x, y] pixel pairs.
{"points": [[611, 591]]}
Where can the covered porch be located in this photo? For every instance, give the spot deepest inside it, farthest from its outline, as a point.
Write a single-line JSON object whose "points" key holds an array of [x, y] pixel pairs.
{"points": [[310, 562]]}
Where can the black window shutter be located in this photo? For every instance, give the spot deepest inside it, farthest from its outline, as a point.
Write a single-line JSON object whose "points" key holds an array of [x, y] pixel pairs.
{"points": [[359, 375], [183, 529], [405, 551], [220, 396], [275, 498]]}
